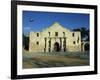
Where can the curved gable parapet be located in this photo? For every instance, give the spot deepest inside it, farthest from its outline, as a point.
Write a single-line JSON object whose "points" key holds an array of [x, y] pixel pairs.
{"points": [[51, 30], [56, 27]]}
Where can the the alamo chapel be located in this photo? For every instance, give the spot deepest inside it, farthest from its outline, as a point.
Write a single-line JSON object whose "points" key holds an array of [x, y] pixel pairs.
{"points": [[55, 38]]}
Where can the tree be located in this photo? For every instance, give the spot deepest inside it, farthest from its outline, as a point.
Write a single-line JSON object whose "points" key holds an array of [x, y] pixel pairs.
{"points": [[26, 42], [84, 33]]}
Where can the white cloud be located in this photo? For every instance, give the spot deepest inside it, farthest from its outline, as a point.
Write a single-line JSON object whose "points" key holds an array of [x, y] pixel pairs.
{"points": [[27, 28]]}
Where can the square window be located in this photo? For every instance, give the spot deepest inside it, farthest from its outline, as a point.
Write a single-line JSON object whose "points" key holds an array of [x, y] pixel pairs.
{"points": [[37, 34], [56, 33], [73, 34], [73, 42], [37, 43], [49, 33]]}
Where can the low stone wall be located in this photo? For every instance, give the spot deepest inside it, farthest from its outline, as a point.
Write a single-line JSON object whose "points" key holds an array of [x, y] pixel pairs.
{"points": [[73, 48]]}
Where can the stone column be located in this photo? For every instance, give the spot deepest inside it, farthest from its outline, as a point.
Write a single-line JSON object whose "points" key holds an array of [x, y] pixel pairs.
{"points": [[45, 45], [49, 45], [62, 44], [52, 44]]}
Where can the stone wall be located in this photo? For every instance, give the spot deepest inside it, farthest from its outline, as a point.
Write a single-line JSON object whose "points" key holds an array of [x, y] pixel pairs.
{"points": [[45, 40]]}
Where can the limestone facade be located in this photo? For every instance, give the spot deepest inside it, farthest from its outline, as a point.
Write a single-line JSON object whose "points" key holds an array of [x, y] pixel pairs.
{"points": [[55, 38]]}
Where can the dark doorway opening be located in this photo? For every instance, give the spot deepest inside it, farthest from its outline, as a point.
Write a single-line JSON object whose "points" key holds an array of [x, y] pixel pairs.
{"points": [[56, 47]]}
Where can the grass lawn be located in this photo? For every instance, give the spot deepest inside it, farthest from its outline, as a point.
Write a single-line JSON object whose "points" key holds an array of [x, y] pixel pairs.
{"points": [[54, 59]]}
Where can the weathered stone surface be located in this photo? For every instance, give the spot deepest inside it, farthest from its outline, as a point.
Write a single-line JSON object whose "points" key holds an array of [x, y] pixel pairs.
{"points": [[55, 38]]}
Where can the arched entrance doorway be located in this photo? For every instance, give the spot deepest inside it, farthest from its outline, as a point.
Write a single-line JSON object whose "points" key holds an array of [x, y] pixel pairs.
{"points": [[86, 47], [56, 47]]}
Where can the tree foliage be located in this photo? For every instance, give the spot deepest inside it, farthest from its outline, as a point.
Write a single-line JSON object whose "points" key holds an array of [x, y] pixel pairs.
{"points": [[26, 42], [84, 33]]}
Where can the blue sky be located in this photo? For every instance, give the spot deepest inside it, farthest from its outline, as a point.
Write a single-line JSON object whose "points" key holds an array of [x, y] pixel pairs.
{"points": [[36, 21]]}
